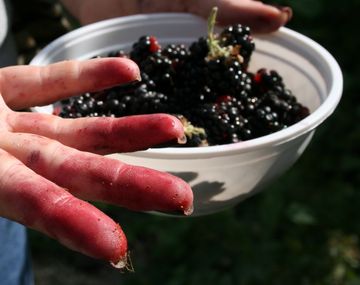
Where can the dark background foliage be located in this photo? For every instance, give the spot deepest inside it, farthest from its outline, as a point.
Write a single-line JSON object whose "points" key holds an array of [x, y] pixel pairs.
{"points": [[304, 229]]}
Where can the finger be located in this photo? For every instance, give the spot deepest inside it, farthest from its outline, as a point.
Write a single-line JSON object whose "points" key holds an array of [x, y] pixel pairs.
{"points": [[26, 86], [101, 135], [261, 18], [98, 178], [37, 203]]}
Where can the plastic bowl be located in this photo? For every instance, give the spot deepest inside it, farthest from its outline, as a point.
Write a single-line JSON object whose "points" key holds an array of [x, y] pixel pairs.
{"points": [[220, 176]]}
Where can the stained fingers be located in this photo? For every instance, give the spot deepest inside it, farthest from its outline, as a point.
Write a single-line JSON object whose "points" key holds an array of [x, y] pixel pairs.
{"points": [[101, 135], [27, 86], [93, 177], [36, 202]]}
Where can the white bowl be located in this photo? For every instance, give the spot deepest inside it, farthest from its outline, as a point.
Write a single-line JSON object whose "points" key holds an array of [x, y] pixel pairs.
{"points": [[220, 176]]}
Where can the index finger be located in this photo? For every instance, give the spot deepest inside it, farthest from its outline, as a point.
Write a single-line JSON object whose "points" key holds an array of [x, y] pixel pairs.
{"points": [[27, 86]]}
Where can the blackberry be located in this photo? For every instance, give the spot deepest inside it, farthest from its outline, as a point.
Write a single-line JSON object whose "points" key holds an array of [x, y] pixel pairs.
{"points": [[271, 91], [226, 77], [264, 121], [138, 101], [114, 107], [214, 72], [265, 80], [145, 46], [146, 102], [190, 96], [199, 49], [190, 86], [160, 70], [296, 114], [115, 103], [239, 35], [67, 111], [145, 79], [222, 122], [177, 53], [222, 65], [79, 106]]}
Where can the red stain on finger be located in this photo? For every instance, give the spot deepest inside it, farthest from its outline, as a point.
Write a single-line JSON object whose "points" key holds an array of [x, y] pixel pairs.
{"points": [[134, 187]]}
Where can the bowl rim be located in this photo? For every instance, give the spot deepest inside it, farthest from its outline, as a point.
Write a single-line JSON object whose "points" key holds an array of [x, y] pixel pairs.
{"points": [[304, 126]]}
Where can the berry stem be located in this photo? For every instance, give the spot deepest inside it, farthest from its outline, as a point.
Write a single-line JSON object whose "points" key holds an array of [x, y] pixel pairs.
{"points": [[211, 25], [190, 129], [215, 50]]}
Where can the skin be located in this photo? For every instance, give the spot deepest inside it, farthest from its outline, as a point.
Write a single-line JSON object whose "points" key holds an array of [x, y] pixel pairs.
{"points": [[260, 17], [49, 164]]}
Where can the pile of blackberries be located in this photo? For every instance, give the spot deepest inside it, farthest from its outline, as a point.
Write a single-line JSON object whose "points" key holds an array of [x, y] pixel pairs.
{"points": [[207, 85]]}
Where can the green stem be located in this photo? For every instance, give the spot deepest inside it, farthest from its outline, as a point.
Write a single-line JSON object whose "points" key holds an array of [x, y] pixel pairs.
{"points": [[211, 25], [215, 50]]}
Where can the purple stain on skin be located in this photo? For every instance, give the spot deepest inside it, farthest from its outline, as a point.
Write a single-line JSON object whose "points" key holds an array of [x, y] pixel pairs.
{"points": [[33, 159]]}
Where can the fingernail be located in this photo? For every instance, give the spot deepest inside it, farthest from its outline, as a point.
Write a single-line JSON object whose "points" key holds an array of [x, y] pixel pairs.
{"points": [[286, 13], [182, 140]]}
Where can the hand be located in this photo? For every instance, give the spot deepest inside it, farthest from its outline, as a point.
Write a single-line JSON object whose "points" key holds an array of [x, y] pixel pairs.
{"points": [[45, 161], [260, 17]]}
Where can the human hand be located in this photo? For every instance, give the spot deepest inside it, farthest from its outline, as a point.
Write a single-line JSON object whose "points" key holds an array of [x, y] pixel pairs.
{"points": [[48, 164], [261, 18]]}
